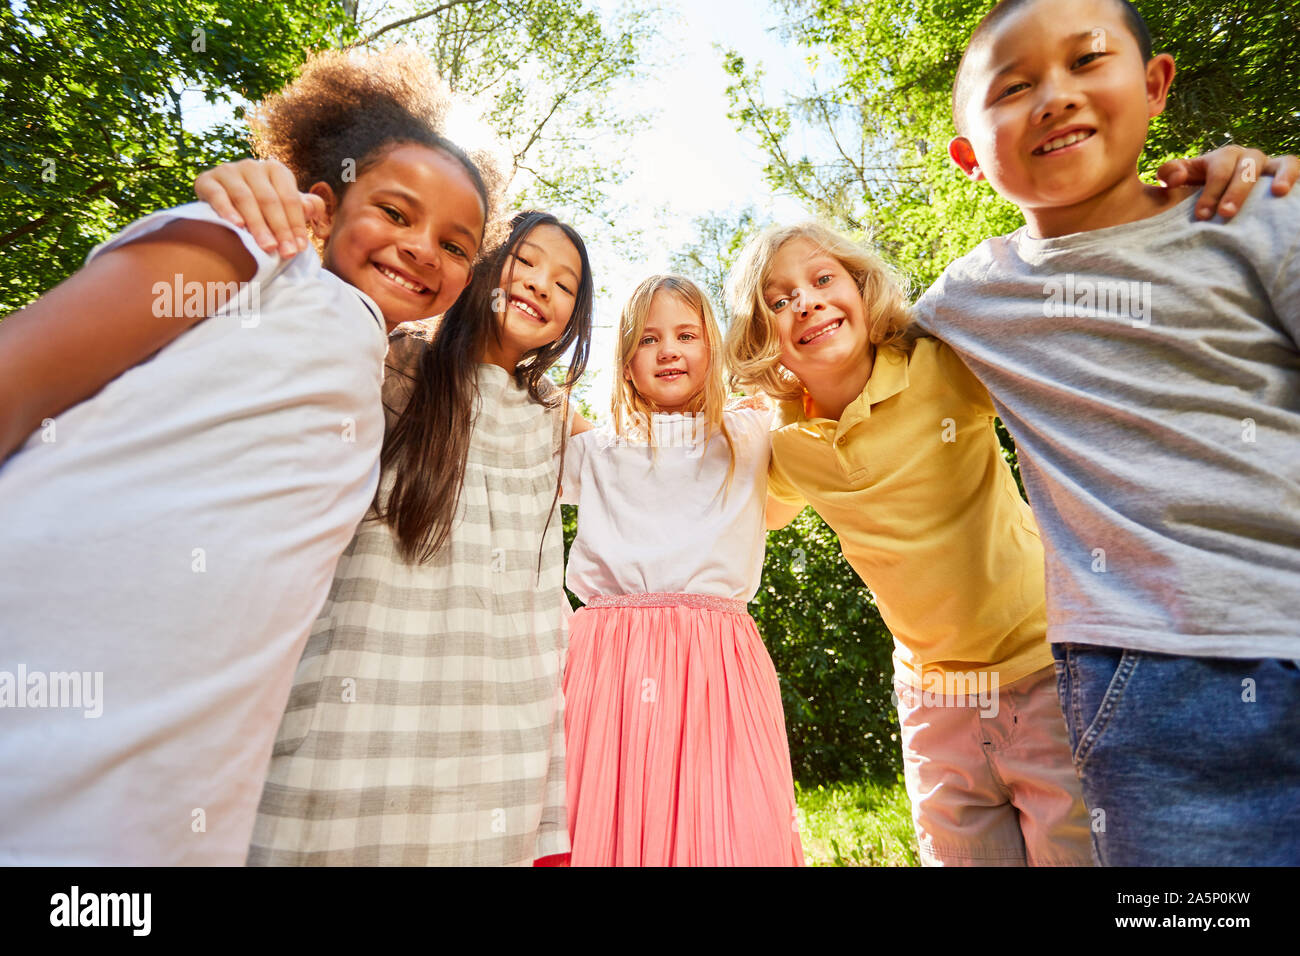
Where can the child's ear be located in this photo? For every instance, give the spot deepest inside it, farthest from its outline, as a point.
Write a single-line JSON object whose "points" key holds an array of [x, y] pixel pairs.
{"points": [[961, 152], [324, 223], [1160, 75]]}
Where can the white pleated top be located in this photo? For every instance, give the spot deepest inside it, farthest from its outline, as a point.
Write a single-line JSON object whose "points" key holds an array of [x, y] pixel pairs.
{"points": [[660, 519]]}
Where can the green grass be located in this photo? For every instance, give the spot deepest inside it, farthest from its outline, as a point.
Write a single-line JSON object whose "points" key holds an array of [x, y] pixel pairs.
{"points": [[856, 824]]}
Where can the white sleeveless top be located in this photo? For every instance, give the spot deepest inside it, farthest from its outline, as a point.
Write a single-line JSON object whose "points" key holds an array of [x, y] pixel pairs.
{"points": [[166, 553], [659, 520]]}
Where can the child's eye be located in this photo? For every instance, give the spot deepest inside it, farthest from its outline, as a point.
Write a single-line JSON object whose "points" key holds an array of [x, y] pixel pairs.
{"points": [[523, 260], [567, 290], [689, 336], [824, 279], [394, 215], [1088, 58], [778, 305], [648, 340], [1013, 88], [455, 250]]}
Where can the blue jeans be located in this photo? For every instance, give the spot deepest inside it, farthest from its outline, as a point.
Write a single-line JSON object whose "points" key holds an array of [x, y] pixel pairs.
{"points": [[1184, 761]]}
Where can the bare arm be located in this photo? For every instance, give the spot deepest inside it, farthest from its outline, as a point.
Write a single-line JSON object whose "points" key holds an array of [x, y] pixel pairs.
{"points": [[89, 329], [578, 424], [778, 514]]}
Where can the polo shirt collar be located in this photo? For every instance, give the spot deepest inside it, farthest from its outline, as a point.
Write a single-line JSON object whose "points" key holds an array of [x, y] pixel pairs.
{"points": [[888, 378]]}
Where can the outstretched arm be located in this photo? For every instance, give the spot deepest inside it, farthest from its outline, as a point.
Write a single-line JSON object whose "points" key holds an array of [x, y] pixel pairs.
{"points": [[89, 329]]}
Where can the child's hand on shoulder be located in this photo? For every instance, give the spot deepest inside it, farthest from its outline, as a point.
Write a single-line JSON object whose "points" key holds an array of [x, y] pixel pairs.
{"points": [[1228, 173], [261, 195]]}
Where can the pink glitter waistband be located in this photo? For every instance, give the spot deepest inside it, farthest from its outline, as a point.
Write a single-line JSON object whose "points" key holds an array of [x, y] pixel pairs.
{"points": [[706, 602]]}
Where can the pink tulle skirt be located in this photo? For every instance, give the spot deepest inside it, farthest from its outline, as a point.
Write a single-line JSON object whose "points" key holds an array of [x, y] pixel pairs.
{"points": [[675, 737]]}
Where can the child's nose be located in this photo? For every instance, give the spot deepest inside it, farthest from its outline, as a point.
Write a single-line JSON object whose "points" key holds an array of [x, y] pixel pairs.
{"points": [[1056, 95], [537, 287], [422, 248]]}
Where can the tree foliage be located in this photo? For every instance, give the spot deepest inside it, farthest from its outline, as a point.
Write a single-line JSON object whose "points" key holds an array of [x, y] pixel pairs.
{"points": [[93, 131], [709, 258], [548, 75], [98, 124], [832, 654]]}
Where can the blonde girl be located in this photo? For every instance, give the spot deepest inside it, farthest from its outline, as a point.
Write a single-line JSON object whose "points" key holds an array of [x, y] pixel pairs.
{"points": [[677, 752], [892, 442]]}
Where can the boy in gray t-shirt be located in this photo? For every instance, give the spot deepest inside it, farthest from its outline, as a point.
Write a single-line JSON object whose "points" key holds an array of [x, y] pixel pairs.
{"points": [[1147, 366]]}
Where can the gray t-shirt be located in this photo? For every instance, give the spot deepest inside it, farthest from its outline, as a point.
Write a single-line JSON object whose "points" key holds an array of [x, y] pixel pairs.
{"points": [[1150, 376]]}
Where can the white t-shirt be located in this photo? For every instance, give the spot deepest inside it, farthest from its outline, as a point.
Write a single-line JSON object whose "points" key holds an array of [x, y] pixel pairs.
{"points": [[661, 522], [170, 540]]}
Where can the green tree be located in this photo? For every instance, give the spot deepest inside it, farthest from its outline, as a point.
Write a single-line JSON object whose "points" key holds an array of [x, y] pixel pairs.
{"points": [[94, 129], [98, 123], [709, 257], [552, 77], [832, 655]]}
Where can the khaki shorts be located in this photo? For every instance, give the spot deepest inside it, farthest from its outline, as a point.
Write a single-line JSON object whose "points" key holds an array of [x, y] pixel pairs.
{"points": [[993, 785]]}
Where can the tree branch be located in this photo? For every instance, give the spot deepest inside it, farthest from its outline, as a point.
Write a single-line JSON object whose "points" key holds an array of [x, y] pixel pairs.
{"points": [[35, 224], [411, 19]]}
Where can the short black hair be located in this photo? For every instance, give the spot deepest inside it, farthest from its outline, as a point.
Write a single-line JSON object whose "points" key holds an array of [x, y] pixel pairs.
{"points": [[960, 89]]}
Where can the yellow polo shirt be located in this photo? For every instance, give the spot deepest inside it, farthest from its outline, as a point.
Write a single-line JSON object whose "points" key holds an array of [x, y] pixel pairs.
{"points": [[912, 480]]}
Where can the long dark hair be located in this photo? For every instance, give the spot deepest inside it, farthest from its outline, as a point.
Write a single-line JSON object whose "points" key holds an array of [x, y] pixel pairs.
{"points": [[426, 448]]}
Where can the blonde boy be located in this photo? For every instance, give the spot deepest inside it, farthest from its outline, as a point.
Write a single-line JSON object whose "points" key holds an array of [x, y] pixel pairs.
{"points": [[893, 445]]}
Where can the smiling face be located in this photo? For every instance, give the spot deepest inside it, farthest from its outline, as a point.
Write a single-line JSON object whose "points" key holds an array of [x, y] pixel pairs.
{"points": [[820, 319], [1056, 102], [670, 362], [406, 232], [535, 298]]}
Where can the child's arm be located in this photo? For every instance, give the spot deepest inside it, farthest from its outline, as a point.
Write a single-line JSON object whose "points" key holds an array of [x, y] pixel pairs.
{"points": [[89, 329], [778, 514], [262, 197], [578, 425], [1229, 174]]}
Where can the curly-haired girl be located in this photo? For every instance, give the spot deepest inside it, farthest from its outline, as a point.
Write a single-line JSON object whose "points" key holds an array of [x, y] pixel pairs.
{"points": [[190, 431]]}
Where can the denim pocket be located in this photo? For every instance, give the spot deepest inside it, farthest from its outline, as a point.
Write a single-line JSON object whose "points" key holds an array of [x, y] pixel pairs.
{"points": [[1096, 679], [1063, 695]]}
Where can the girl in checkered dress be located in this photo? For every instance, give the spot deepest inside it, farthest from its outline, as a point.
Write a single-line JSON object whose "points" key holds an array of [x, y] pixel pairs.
{"points": [[426, 721]]}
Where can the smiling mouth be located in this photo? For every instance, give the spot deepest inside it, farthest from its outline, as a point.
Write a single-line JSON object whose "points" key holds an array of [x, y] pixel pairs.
{"points": [[671, 374], [1060, 142], [400, 280], [820, 332], [527, 310]]}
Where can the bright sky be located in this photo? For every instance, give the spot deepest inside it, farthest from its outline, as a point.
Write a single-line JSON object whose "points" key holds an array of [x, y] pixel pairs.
{"points": [[690, 161]]}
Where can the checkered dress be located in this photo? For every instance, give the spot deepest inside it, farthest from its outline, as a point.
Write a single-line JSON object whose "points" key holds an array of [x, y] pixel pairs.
{"points": [[426, 722]]}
